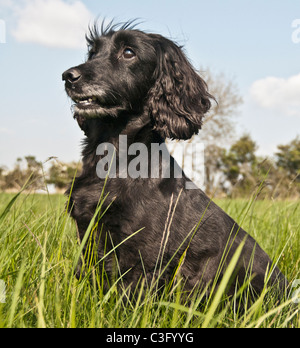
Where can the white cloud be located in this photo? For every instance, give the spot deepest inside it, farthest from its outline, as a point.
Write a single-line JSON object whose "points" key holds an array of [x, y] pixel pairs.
{"points": [[54, 23], [278, 94]]}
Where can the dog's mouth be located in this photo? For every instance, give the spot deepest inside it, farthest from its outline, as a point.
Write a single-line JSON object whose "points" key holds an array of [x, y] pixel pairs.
{"points": [[87, 103], [96, 104], [92, 106]]}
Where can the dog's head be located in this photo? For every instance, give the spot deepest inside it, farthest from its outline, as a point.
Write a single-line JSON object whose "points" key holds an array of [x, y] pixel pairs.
{"points": [[129, 72]]}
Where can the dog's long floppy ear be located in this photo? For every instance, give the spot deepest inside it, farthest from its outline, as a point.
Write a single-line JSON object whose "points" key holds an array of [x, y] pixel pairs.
{"points": [[179, 98]]}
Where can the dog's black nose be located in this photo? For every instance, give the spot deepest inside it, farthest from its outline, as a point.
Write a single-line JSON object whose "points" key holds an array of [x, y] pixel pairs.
{"points": [[72, 75]]}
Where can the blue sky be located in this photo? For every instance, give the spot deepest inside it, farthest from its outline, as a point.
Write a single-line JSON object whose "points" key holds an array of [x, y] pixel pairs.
{"points": [[252, 42]]}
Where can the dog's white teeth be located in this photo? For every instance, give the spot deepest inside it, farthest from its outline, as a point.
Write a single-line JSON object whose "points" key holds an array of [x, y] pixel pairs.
{"points": [[86, 101]]}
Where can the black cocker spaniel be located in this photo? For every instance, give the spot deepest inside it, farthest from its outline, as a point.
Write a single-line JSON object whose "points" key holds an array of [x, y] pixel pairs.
{"points": [[142, 87]]}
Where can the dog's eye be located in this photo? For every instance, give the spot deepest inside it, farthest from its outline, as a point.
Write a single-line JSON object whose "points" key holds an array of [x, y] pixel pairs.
{"points": [[128, 53]]}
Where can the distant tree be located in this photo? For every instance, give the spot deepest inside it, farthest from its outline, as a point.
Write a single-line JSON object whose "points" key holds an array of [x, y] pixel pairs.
{"points": [[288, 158], [35, 172], [239, 166], [219, 123], [218, 126], [287, 174], [20, 174], [61, 174], [15, 178], [32, 164], [212, 164]]}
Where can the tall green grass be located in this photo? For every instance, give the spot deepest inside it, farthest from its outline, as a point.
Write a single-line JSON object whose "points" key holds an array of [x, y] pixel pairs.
{"points": [[39, 249]]}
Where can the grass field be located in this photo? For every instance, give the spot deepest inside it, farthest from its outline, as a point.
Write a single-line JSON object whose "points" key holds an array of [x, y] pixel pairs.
{"points": [[38, 246]]}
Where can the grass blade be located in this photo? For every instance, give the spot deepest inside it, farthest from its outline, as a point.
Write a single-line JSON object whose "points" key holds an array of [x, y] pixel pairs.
{"points": [[16, 295], [222, 287], [9, 206]]}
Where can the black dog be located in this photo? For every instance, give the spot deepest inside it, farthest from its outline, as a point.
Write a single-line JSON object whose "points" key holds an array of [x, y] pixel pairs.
{"points": [[142, 86]]}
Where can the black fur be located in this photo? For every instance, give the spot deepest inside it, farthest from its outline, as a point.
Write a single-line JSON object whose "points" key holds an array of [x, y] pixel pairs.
{"points": [[144, 87]]}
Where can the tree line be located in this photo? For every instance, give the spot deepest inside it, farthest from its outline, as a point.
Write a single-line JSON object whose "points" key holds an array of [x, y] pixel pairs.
{"points": [[239, 171], [37, 175]]}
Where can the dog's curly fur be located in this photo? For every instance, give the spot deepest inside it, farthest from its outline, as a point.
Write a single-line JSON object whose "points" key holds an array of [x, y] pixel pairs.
{"points": [[143, 86]]}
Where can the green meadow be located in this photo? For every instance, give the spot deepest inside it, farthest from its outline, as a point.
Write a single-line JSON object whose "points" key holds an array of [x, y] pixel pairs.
{"points": [[39, 249]]}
